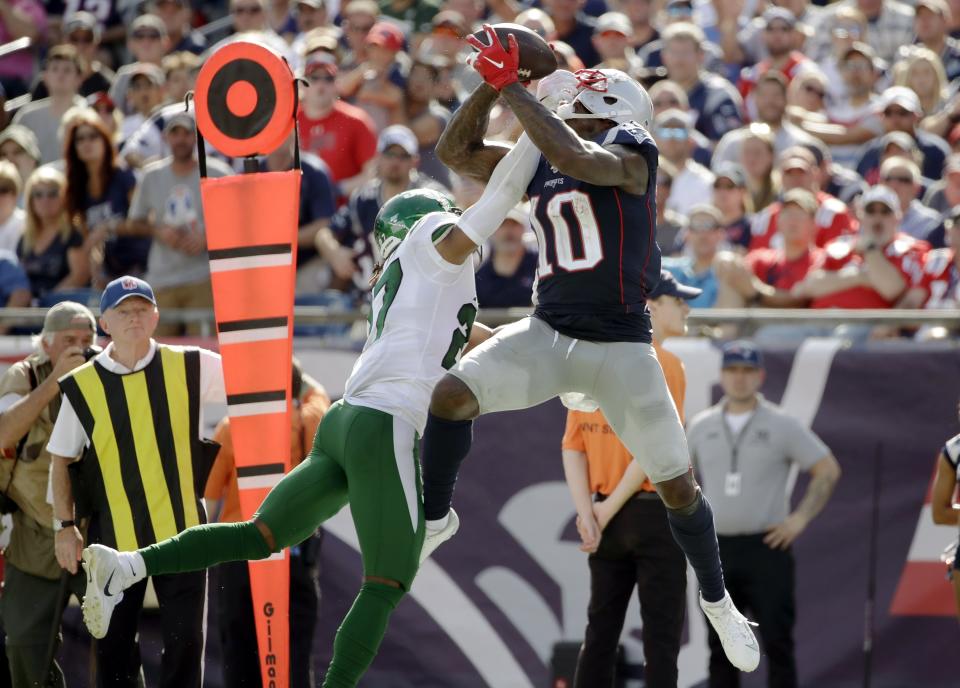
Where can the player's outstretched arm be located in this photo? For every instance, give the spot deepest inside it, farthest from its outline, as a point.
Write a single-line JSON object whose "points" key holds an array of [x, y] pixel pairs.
{"points": [[461, 146], [506, 188], [614, 165]]}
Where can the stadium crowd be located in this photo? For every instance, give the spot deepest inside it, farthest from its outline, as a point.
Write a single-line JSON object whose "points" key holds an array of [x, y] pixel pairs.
{"points": [[810, 154]]}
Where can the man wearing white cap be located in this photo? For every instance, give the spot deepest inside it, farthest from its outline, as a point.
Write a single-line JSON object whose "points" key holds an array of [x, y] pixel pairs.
{"points": [[611, 38], [693, 182], [346, 245], [871, 269], [901, 111], [166, 206]]}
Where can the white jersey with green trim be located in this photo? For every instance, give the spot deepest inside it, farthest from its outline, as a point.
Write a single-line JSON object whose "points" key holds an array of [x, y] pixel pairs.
{"points": [[422, 309]]}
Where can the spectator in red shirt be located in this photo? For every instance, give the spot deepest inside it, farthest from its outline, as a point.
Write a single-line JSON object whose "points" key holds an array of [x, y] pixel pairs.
{"points": [[781, 38], [871, 269], [341, 134], [765, 276], [938, 285], [833, 218]]}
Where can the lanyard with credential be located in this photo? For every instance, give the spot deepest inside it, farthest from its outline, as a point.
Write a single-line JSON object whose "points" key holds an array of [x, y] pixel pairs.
{"points": [[732, 482]]}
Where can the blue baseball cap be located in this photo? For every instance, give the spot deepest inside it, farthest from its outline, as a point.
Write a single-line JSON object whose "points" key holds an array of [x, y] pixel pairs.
{"points": [[669, 286], [741, 353], [123, 288]]}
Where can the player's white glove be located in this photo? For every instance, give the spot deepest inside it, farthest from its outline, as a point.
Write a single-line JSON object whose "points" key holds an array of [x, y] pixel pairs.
{"points": [[577, 401], [558, 87]]}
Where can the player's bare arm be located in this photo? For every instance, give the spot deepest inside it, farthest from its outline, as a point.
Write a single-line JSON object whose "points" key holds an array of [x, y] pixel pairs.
{"points": [[613, 165], [505, 188], [461, 146]]}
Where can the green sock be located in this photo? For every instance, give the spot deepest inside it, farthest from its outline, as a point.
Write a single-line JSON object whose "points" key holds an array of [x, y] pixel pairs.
{"points": [[200, 547], [360, 634]]}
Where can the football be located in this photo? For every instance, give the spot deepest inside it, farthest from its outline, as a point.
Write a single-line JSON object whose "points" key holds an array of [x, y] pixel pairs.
{"points": [[536, 57]]}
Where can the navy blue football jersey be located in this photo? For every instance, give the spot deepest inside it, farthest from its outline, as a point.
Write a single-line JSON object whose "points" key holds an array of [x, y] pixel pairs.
{"points": [[598, 255]]}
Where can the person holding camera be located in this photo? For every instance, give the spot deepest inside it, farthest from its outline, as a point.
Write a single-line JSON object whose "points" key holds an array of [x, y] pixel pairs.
{"points": [[127, 452], [29, 405]]}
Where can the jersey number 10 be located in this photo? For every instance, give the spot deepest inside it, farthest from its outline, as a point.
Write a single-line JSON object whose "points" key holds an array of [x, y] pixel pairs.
{"points": [[592, 248]]}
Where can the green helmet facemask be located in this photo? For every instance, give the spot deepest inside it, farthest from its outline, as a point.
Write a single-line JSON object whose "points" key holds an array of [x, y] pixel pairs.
{"points": [[399, 215]]}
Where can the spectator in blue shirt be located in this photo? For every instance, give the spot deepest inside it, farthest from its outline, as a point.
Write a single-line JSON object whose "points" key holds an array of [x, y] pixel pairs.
{"points": [[14, 284], [704, 235], [714, 100], [505, 280]]}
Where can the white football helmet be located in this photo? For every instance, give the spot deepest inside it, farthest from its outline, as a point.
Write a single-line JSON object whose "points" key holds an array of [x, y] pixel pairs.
{"points": [[610, 94]]}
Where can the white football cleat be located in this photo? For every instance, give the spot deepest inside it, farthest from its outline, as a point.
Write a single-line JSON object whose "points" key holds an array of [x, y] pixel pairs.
{"points": [[435, 538], [105, 585], [736, 634]]}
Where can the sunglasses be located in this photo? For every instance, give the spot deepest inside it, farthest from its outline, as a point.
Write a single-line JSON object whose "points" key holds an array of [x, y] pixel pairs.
{"points": [[851, 32], [814, 90], [778, 28], [7, 190], [249, 9], [397, 155], [703, 226], [724, 186], [364, 29], [81, 39], [673, 133], [318, 78], [898, 180], [679, 11], [878, 210], [48, 194], [897, 112], [146, 35], [664, 104]]}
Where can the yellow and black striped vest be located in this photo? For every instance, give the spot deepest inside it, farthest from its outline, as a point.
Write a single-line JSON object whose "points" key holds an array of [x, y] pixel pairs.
{"points": [[142, 477]]}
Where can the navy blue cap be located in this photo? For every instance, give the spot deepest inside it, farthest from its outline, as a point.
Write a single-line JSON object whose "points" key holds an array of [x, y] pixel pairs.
{"points": [[741, 353], [669, 286], [123, 288]]}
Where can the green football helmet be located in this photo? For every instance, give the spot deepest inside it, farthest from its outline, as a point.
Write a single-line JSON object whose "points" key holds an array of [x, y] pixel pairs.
{"points": [[398, 216]]}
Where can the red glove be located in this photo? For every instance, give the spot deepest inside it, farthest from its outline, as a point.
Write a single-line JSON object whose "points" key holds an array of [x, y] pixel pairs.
{"points": [[496, 64]]}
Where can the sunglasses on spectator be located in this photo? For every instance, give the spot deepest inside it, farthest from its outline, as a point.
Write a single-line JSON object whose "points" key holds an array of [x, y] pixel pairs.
{"points": [[317, 77], [248, 9], [48, 194], [444, 30], [673, 133], [703, 226], [777, 28], [666, 103], [897, 112], [7, 189], [85, 38], [850, 32], [896, 179], [360, 28], [146, 35], [679, 11], [878, 210], [724, 185], [397, 154], [810, 88]]}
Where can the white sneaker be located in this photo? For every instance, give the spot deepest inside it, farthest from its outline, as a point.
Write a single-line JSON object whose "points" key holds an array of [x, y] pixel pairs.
{"points": [[105, 585], [435, 538], [736, 634]]}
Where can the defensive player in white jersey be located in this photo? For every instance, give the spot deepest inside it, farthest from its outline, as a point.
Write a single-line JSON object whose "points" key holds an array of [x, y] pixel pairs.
{"points": [[366, 448]]}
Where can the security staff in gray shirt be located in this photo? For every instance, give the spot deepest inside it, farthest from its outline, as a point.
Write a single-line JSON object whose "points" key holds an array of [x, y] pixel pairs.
{"points": [[744, 449]]}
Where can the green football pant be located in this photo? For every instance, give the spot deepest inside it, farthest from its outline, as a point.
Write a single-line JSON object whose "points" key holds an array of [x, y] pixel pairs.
{"points": [[360, 455]]}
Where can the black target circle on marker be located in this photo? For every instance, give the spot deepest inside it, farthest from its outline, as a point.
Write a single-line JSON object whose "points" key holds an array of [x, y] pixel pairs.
{"points": [[223, 117], [244, 97]]}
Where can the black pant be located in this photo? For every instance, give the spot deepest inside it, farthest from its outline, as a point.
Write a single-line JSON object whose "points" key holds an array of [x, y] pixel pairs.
{"points": [[182, 601], [760, 581], [238, 631], [636, 549]]}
